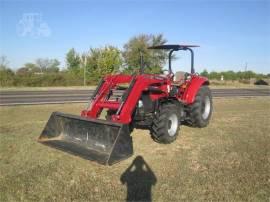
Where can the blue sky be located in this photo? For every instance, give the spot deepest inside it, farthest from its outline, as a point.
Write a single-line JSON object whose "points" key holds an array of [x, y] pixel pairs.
{"points": [[230, 33]]}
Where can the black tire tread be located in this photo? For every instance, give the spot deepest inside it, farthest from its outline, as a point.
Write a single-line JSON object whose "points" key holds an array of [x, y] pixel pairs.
{"points": [[195, 117], [158, 130]]}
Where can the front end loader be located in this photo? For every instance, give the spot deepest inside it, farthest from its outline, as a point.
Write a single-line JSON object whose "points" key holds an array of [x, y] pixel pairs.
{"points": [[158, 102]]}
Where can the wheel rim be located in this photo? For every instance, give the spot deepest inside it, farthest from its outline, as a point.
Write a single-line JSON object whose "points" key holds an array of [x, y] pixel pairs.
{"points": [[172, 124], [206, 106]]}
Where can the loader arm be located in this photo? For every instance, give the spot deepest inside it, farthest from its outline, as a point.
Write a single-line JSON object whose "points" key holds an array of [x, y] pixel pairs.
{"points": [[142, 83], [97, 103], [125, 106]]}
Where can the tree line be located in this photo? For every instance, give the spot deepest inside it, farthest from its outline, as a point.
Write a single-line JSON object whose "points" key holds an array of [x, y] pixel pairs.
{"points": [[92, 64], [233, 76], [89, 66]]}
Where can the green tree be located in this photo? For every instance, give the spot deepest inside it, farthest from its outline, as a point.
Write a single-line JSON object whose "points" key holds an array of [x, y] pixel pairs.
{"points": [[42, 63], [109, 60], [101, 62], [204, 73], [23, 71], [249, 74], [6, 74], [153, 59], [54, 66], [214, 75], [48, 65], [73, 62], [3, 62], [31, 67], [229, 75]]}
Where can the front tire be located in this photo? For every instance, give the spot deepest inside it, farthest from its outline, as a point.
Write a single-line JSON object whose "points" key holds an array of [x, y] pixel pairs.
{"points": [[166, 124], [201, 109]]}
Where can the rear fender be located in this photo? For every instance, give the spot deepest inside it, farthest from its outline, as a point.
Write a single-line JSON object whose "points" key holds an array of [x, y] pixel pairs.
{"points": [[193, 88]]}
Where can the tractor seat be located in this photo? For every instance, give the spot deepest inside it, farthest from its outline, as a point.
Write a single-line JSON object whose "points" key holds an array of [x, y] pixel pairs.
{"points": [[179, 78]]}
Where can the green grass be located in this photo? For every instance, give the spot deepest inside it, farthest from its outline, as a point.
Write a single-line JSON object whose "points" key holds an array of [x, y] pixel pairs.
{"points": [[229, 160]]}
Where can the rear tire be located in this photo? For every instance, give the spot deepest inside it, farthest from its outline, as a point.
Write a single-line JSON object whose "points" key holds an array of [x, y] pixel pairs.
{"points": [[201, 109], [166, 124]]}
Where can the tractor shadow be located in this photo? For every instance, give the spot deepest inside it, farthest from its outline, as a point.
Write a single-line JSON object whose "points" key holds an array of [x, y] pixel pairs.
{"points": [[139, 179]]}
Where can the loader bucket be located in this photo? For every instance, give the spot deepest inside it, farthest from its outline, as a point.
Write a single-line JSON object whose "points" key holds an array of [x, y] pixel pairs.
{"points": [[98, 140]]}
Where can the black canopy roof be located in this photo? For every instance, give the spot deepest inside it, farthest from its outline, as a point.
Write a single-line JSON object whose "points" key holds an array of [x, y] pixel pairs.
{"points": [[172, 47]]}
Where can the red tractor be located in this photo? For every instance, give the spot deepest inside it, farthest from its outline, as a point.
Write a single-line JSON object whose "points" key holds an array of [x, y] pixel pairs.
{"points": [[160, 103]]}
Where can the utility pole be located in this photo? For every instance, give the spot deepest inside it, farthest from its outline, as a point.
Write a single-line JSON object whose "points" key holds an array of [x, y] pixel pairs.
{"points": [[246, 66]]}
